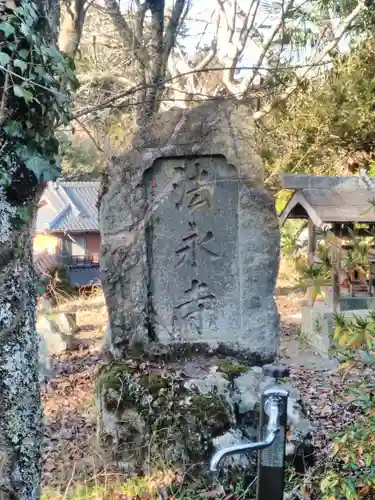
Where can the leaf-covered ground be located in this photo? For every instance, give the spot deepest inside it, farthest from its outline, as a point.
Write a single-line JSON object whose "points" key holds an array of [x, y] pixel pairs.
{"points": [[73, 464]]}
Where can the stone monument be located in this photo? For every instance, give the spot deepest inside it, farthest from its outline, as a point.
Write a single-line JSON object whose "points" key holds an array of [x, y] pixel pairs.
{"points": [[190, 250], [190, 238]]}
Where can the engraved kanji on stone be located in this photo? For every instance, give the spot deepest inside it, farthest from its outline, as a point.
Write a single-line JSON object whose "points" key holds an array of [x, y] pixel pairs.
{"points": [[192, 243], [197, 189], [191, 311]]}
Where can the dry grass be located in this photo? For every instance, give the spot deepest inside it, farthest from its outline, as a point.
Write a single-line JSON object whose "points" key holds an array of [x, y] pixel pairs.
{"points": [[289, 276], [91, 313], [71, 453]]}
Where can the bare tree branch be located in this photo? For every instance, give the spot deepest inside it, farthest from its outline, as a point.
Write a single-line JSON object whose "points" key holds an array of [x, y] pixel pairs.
{"points": [[161, 74], [213, 50], [139, 20], [236, 48], [268, 42], [190, 73], [91, 137], [343, 28], [126, 34], [173, 28], [156, 59]]}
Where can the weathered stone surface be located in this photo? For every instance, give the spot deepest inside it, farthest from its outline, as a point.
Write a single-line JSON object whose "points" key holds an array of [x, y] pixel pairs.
{"points": [[185, 417], [209, 248], [46, 371], [107, 344], [247, 393], [192, 247], [210, 383], [55, 340], [67, 323], [146, 415], [190, 240], [231, 438]]}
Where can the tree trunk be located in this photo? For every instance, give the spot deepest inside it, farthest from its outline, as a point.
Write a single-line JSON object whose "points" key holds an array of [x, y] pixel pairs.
{"points": [[27, 159], [71, 24], [21, 431]]}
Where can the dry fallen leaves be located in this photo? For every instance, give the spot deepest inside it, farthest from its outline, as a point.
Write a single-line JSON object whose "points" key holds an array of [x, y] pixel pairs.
{"points": [[71, 422]]}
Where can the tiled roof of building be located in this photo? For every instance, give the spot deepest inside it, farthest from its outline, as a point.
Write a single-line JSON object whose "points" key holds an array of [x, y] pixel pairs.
{"points": [[69, 206], [329, 199]]}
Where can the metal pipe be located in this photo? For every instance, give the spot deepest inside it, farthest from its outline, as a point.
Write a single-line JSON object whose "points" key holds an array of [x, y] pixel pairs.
{"points": [[241, 448], [271, 463], [272, 429]]}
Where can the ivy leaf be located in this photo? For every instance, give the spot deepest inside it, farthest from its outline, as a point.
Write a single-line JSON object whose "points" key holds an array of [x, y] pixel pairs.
{"points": [[52, 52], [40, 289], [4, 59], [51, 174], [25, 30], [7, 29], [18, 63], [42, 168], [24, 53], [22, 92], [24, 213], [13, 129], [32, 15]]}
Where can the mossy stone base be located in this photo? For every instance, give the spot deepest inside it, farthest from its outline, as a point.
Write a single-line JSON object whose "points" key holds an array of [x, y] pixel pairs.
{"points": [[154, 415], [147, 415]]}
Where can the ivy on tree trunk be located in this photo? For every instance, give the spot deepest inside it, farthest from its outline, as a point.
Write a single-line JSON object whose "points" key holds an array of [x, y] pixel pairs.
{"points": [[34, 77]]}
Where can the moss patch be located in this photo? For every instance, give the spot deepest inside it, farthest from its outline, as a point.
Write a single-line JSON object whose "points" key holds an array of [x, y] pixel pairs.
{"points": [[178, 426], [232, 369], [115, 385], [212, 414], [155, 382]]}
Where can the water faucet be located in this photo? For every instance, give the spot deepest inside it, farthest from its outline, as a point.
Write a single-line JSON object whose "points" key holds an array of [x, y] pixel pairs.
{"points": [[240, 448], [272, 432]]}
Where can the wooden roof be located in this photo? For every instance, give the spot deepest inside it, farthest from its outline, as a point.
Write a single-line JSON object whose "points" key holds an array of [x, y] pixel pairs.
{"points": [[329, 199]]}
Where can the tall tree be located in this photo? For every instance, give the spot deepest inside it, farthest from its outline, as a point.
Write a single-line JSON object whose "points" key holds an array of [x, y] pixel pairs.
{"points": [[271, 75], [328, 126], [262, 51], [32, 102], [72, 17]]}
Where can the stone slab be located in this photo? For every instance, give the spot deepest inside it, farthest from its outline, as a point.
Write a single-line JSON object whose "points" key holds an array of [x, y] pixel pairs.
{"points": [[144, 224], [55, 341], [51, 335], [357, 303], [193, 249], [212, 253], [67, 323]]}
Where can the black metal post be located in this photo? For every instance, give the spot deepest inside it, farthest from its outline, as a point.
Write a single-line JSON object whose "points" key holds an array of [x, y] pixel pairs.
{"points": [[272, 439], [271, 462]]}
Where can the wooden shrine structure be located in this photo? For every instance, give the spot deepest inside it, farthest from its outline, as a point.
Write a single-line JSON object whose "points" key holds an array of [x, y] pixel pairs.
{"points": [[334, 203]]}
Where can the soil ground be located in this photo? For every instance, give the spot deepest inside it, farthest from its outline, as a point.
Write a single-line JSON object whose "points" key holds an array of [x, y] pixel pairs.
{"points": [[71, 456]]}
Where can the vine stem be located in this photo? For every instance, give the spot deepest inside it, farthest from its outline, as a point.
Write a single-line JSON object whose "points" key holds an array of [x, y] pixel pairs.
{"points": [[27, 80], [3, 104]]}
